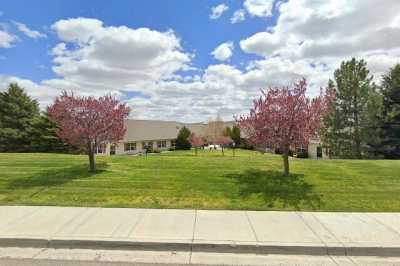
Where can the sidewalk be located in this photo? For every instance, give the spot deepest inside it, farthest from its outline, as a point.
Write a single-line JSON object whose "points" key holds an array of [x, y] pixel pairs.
{"points": [[304, 233]]}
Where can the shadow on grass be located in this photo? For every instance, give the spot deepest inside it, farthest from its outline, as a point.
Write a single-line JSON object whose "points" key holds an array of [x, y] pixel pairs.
{"points": [[291, 191], [55, 176]]}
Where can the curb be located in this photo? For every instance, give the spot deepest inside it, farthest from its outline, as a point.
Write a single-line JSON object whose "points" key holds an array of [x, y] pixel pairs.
{"points": [[263, 248]]}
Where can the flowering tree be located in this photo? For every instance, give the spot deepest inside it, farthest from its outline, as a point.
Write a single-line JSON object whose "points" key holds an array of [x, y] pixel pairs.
{"points": [[87, 122], [283, 118], [223, 141], [196, 142]]}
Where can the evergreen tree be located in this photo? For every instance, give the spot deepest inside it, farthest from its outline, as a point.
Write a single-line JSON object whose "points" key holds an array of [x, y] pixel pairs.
{"points": [[235, 135], [371, 130], [330, 133], [182, 141], [227, 131], [391, 114], [23, 128], [349, 128], [17, 114], [44, 137]]}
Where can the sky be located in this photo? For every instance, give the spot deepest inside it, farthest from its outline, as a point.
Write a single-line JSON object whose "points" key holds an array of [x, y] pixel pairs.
{"points": [[189, 61]]}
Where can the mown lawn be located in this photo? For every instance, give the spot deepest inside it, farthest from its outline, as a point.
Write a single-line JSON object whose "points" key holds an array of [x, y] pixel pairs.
{"points": [[209, 181]]}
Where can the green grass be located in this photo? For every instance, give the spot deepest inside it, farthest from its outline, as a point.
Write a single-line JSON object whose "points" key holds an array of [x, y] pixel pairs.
{"points": [[209, 181]]}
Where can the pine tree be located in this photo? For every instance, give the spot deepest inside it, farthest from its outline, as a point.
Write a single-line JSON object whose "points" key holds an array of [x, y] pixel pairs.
{"points": [[182, 141], [23, 128], [227, 131], [330, 133], [17, 114], [235, 135], [391, 113], [347, 130], [44, 136], [372, 117]]}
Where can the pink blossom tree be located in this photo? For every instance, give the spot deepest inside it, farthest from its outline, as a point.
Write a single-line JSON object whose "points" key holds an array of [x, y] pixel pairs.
{"points": [[196, 142], [87, 122], [223, 141], [283, 118]]}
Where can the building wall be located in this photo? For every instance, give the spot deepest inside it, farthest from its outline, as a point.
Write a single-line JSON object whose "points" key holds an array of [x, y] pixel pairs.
{"points": [[120, 148], [313, 149]]}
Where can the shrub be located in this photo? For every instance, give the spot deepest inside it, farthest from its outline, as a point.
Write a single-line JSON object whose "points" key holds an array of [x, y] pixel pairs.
{"points": [[182, 141], [302, 154]]}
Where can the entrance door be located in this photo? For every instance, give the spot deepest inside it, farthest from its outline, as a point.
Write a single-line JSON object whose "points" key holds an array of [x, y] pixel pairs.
{"points": [[319, 152], [112, 150]]}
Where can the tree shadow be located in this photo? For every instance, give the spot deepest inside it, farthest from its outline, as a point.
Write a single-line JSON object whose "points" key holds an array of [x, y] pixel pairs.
{"points": [[291, 191], [55, 177]]}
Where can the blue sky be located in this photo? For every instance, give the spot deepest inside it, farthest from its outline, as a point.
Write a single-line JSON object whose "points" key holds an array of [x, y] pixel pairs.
{"points": [[189, 60], [189, 19]]}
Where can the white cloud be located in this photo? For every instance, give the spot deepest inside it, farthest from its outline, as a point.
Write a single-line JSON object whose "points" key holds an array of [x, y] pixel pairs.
{"points": [[44, 94], [94, 59], [7, 39], [327, 32], [119, 57], [309, 40], [262, 43], [221, 89], [223, 51], [217, 11], [78, 30], [238, 16], [259, 8], [28, 32], [298, 46], [316, 29]]}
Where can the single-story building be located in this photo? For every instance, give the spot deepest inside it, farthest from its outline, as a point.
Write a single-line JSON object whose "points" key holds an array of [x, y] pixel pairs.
{"points": [[159, 135], [315, 150]]}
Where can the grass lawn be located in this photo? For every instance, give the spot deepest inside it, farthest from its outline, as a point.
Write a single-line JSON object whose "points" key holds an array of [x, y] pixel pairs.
{"points": [[209, 181]]}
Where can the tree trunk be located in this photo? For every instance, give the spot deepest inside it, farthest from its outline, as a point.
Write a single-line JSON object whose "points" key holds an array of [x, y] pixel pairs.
{"points": [[92, 163], [195, 151], [357, 137], [223, 154], [285, 157], [357, 142]]}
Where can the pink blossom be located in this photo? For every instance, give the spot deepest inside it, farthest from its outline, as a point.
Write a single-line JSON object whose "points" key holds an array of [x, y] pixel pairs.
{"points": [[87, 122], [284, 117]]}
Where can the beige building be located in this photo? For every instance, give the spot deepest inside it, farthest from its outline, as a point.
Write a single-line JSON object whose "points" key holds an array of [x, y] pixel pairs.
{"points": [[159, 135], [315, 150]]}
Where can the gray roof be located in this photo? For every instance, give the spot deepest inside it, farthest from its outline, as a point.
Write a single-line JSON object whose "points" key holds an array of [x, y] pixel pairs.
{"points": [[138, 130], [142, 130]]}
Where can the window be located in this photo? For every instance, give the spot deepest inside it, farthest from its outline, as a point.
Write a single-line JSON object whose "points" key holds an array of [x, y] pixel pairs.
{"points": [[301, 149], [100, 148], [130, 146], [148, 145], [173, 143], [161, 144]]}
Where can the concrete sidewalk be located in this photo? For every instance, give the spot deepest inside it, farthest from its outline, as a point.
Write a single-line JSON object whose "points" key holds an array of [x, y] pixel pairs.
{"points": [[305, 233]]}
